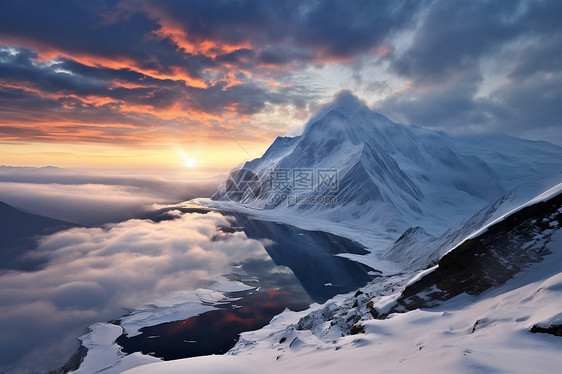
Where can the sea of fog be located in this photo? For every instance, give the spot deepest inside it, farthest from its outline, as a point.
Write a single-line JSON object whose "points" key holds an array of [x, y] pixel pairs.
{"points": [[101, 273]]}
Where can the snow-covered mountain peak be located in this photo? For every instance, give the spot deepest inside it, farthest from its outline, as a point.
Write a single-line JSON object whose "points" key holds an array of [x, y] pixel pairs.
{"points": [[389, 176], [356, 122], [345, 103]]}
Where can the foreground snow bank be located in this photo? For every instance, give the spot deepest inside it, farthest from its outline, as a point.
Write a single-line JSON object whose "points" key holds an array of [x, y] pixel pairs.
{"points": [[202, 365]]}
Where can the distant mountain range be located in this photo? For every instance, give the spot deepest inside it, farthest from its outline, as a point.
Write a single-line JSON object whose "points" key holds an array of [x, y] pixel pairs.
{"points": [[18, 233]]}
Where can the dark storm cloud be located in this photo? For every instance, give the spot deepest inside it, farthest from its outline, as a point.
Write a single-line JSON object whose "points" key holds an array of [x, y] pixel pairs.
{"points": [[454, 35], [77, 27], [71, 77], [242, 56], [122, 29], [88, 29], [450, 104], [218, 56], [282, 56], [20, 68], [108, 74], [447, 58], [529, 104], [329, 28], [542, 56]]}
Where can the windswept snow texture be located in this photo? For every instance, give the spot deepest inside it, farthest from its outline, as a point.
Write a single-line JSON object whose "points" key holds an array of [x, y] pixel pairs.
{"points": [[393, 176], [510, 324]]}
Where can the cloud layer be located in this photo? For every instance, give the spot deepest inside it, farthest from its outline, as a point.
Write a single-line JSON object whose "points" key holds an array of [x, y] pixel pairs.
{"points": [[94, 197], [138, 71], [93, 273]]}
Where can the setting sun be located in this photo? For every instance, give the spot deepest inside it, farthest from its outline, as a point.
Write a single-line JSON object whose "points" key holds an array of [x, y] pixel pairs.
{"points": [[189, 162]]}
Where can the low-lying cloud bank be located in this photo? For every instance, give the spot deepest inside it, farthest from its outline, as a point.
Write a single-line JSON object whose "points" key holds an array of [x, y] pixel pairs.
{"points": [[92, 198], [92, 274]]}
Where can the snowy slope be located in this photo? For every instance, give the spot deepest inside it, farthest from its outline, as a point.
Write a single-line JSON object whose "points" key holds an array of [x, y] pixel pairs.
{"points": [[509, 325], [392, 176], [491, 255], [416, 250], [515, 160]]}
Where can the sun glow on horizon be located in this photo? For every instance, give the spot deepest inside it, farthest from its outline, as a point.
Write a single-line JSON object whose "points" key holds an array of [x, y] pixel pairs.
{"points": [[189, 162]]}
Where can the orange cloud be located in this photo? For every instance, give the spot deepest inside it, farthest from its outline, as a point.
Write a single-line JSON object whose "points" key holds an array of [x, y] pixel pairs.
{"points": [[228, 77], [27, 87], [46, 54], [191, 44]]}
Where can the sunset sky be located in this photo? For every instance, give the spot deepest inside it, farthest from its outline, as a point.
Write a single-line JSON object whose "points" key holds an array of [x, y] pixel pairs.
{"points": [[209, 84]]}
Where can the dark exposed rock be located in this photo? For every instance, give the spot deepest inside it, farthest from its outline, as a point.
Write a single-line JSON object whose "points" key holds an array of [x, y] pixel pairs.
{"points": [[73, 362], [552, 329], [476, 325], [374, 312], [357, 329], [295, 340]]}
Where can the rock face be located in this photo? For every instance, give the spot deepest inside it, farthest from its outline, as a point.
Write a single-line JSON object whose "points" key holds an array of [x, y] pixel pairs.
{"points": [[389, 176], [489, 259]]}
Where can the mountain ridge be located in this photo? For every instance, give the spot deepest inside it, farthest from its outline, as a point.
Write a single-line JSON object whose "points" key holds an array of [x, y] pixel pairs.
{"points": [[393, 176], [18, 231]]}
